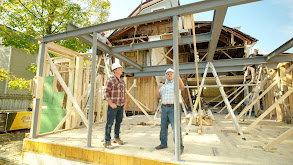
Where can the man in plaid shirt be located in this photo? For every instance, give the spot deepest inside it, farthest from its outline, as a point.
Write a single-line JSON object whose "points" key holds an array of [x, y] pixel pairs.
{"points": [[166, 93], [115, 94]]}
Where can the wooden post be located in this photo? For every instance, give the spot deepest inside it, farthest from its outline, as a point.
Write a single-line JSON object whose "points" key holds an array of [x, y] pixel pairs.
{"points": [[286, 88], [278, 108], [100, 97], [40, 87], [290, 82], [197, 76], [77, 88], [87, 80], [189, 97], [272, 98], [69, 121]]}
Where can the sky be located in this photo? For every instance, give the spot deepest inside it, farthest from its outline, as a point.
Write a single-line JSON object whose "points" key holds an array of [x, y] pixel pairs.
{"points": [[269, 21]]}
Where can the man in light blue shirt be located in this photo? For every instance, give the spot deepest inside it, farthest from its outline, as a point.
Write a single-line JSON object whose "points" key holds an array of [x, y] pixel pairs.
{"points": [[166, 93]]}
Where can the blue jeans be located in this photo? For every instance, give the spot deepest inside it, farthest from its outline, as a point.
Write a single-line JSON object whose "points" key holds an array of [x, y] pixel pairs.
{"points": [[112, 114], [167, 117]]}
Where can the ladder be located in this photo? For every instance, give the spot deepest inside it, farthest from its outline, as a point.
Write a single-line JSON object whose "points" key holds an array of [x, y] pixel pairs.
{"points": [[225, 98], [255, 93]]}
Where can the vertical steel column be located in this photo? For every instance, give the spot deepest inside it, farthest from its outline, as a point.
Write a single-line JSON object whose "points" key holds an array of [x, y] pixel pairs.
{"points": [[37, 101], [93, 76], [176, 88]]}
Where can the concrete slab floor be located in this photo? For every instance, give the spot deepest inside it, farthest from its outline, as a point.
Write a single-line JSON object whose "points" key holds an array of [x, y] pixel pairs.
{"points": [[214, 146]]}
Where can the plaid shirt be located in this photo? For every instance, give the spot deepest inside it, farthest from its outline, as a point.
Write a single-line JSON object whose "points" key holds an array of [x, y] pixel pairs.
{"points": [[167, 93], [115, 90]]}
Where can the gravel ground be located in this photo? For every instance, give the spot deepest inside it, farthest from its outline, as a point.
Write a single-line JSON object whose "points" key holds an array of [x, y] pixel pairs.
{"points": [[11, 147]]}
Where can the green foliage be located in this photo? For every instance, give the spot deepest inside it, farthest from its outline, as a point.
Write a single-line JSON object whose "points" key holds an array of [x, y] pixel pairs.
{"points": [[14, 82], [33, 68], [37, 18]]}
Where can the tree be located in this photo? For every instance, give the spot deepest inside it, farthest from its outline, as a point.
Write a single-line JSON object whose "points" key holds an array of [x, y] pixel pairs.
{"points": [[14, 82], [37, 18]]}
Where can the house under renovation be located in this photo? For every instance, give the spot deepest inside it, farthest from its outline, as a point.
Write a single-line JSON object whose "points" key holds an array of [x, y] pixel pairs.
{"points": [[235, 124]]}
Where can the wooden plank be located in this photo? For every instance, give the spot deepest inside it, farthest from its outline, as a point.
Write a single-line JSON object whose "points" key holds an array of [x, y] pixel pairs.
{"points": [[100, 97], [189, 97], [280, 73], [39, 95], [219, 96], [227, 97], [203, 57], [45, 68], [230, 101], [77, 88], [166, 56], [40, 87], [196, 69], [252, 125], [61, 54], [67, 91], [290, 81], [188, 21], [238, 105], [279, 139], [68, 123], [60, 49], [272, 98], [226, 54], [141, 108], [264, 82], [45, 65], [256, 100], [287, 86]]}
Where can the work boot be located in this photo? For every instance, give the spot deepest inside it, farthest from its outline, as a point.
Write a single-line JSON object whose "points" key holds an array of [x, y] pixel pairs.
{"points": [[108, 145], [159, 147], [118, 141]]}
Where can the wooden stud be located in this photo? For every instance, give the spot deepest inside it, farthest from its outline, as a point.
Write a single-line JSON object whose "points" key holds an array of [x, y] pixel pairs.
{"points": [[77, 88], [68, 123], [67, 91], [219, 96], [227, 97], [203, 57], [252, 125], [279, 139], [166, 56], [140, 107], [226, 54], [256, 100], [233, 98]]}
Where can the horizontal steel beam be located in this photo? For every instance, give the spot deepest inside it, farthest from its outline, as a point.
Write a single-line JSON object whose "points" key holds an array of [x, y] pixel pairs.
{"points": [[227, 65], [161, 43], [187, 71], [89, 39], [281, 49], [147, 18]]}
